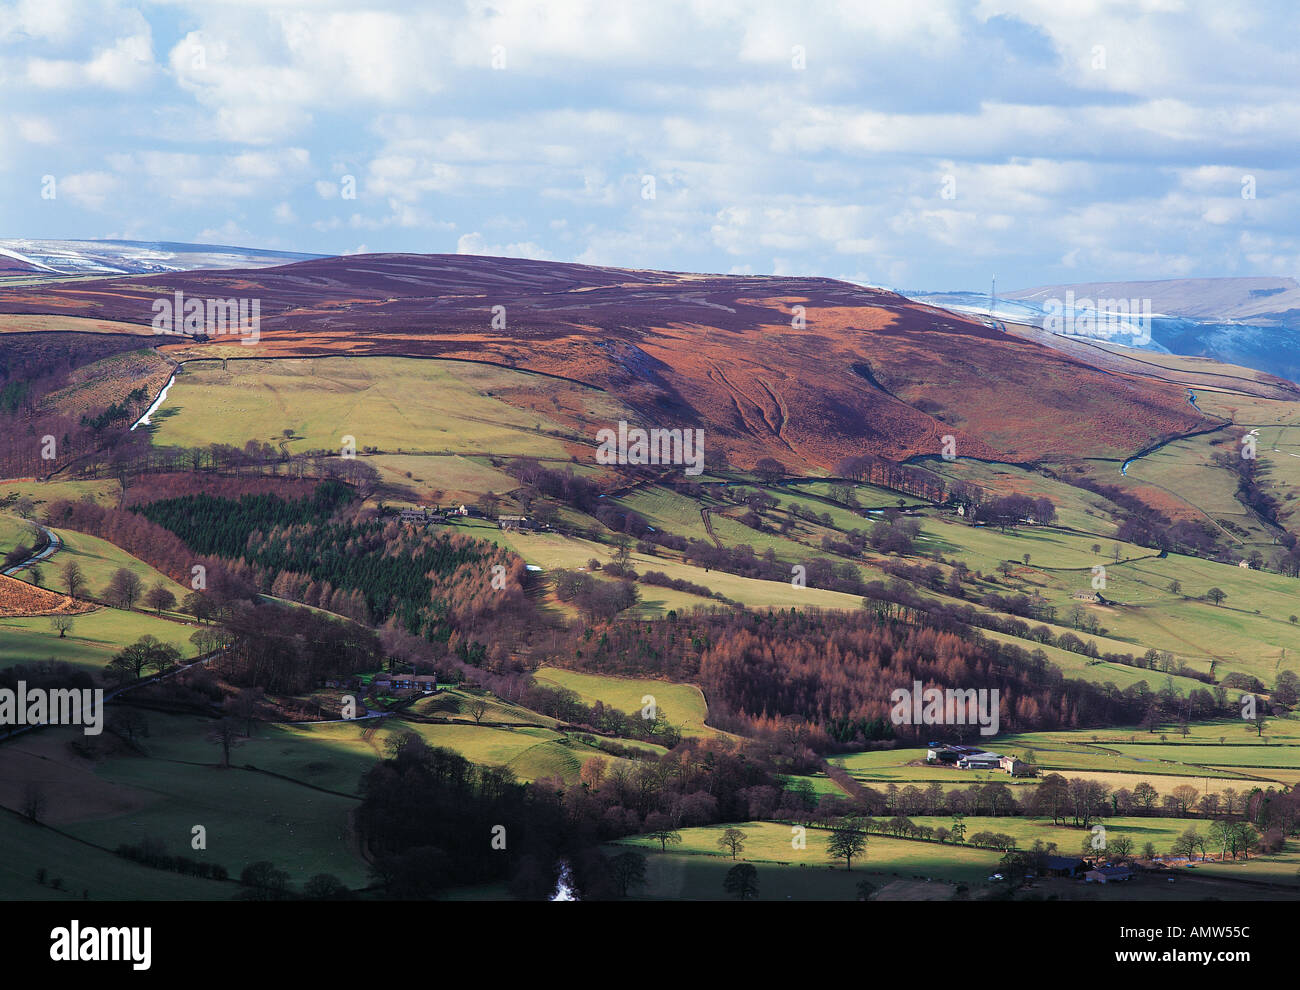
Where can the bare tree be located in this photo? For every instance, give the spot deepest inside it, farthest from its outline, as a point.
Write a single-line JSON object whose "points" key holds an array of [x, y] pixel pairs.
{"points": [[732, 841], [159, 598], [73, 579], [227, 735], [33, 801], [660, 827], [124, 589]]}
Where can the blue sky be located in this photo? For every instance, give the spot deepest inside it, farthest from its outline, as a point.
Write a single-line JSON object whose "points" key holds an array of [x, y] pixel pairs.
{"points": [[922, 145]]}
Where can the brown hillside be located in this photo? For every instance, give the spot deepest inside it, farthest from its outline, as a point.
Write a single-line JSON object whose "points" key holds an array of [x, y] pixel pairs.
{"points": [[871, 370]]}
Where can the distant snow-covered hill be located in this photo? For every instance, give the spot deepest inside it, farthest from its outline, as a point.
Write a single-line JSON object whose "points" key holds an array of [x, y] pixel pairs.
{"points": [[1254, 322], [24, 256]]}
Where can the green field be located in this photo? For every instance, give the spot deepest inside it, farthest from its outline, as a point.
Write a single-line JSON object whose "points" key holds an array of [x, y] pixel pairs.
{"points": [[79, 867], [1186, 469], [420, 479], [92, 641], [248, 817], [398, 405], [105, 491], [667, 510], [1075, 507], [770, 846], [985, 547], [550, 551], [1069, 840], [682, 704], [176, 782], [868, 496], [99, 560]]}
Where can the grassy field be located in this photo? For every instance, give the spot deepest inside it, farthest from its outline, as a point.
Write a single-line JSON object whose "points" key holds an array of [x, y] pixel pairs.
{"points": [[248, 817], [770, 846], [401, 405], [985, 547], [682, 704], [106, 491], [551, 550], [667, 510], [868, 496], [177, 783], [454, 704], [419, 479], [1247, 633], [1069, 840], [1075, 507], [1120, 758], [92, 641], [99, 560], [82, 868], [1186, 469], [15, 531]]}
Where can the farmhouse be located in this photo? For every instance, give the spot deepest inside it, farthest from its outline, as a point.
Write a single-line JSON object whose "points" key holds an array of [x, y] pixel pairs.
{"points": [[515, 522], [386, 683], [1015, 767]]}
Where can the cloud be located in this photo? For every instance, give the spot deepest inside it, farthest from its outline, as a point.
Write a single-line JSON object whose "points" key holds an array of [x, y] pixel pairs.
{"points": [[89, 189], [1080, 137], [474, 244]]}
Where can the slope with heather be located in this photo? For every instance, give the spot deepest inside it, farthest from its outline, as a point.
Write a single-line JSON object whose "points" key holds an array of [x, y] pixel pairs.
{"points": [[807, 370]]}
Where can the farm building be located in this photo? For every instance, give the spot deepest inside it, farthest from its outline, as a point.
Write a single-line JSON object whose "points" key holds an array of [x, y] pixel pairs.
{"points": [[980, 761], [1015, 767], [1064, 866], [964, 757], [420, 515], [515, 522], [1108, 874], [426, 683]]}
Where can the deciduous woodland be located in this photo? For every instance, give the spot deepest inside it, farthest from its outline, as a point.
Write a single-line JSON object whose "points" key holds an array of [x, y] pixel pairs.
{"points": [[829, 674]]}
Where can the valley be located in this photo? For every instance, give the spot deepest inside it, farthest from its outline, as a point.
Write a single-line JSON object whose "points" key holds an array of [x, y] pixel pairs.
{"points": [[363, 549]]}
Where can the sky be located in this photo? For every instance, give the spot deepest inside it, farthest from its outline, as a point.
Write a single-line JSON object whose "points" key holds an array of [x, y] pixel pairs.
{"points": [[925, 144]]}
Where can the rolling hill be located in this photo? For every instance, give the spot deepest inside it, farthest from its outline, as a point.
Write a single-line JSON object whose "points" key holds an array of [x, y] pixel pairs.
{"points": [[866, 370]]}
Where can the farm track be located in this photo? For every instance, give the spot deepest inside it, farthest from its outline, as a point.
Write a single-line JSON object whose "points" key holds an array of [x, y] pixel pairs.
{"points": [[1188, 502], [708, 527]]}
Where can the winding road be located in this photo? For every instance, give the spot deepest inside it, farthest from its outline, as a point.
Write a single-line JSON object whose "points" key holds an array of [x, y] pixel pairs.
{"points": [[46, 552]]}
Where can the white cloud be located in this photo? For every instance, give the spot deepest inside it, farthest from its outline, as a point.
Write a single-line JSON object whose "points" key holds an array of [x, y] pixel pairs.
{"points": [[257, 109], [473, 243], [89, 189]]}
